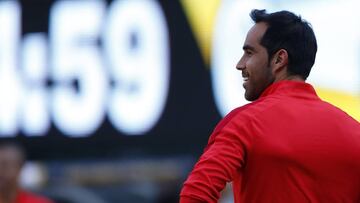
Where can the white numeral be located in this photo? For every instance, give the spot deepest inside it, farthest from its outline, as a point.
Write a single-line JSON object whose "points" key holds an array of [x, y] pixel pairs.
{"points": [[136, 44], [74, 31]]}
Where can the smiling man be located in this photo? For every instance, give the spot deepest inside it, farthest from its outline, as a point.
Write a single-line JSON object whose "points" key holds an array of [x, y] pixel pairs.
{"points": [[287, 145]]}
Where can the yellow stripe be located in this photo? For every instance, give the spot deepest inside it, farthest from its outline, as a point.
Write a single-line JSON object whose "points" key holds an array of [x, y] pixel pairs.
{"points": [[349, 103], [201, 15]]}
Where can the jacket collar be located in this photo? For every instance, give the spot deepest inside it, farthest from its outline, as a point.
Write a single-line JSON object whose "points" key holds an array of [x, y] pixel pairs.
{"points": [[290, 88]]}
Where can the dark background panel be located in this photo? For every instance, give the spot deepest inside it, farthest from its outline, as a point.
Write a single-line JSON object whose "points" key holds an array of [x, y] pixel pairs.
{"points": [[187, 120]]}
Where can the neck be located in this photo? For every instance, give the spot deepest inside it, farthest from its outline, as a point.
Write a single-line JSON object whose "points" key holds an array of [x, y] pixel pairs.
{"points": [[289, 77]]}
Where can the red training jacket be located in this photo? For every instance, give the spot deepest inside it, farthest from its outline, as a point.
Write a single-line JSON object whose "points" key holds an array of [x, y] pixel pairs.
{"points": [[287, 146]]}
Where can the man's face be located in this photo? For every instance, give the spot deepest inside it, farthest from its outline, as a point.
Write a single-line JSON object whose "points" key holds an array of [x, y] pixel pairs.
{"points": [[10, 167], [254, 64]]}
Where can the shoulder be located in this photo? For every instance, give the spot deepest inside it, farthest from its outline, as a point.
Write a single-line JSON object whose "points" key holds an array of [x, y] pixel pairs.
{"points": [[338, 113], [247, 113], [239, 121]]}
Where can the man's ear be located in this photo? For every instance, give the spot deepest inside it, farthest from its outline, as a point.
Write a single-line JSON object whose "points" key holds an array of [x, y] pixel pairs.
{"points": [[280, 60]]}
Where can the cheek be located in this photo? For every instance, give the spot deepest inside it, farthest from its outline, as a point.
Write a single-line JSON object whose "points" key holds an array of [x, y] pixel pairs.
{"points": [[256, 68]]}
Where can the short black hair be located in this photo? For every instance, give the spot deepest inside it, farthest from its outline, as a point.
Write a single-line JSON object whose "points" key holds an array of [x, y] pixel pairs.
{"points": [[290, 32]]}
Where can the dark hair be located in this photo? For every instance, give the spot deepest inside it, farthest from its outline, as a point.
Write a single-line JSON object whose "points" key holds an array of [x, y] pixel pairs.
{"points": [[288, 31]]}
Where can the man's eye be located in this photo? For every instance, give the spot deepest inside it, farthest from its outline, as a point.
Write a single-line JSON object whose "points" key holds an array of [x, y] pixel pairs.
{"points": [[249, 53]]}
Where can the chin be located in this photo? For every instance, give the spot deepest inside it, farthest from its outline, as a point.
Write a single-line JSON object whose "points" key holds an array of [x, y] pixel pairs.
{"points": [[247, 97], [251, 97]]}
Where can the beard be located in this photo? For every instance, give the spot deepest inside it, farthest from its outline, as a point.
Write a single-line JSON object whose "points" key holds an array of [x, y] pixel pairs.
{"points": [[255, 85]]}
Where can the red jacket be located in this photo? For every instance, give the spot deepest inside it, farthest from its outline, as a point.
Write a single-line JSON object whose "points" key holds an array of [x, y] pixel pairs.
{"points": [[27, 197], [287, 146]]}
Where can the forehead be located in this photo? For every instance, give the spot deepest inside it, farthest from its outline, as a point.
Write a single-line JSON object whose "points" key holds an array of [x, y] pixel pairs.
{"points": [[255, 34]]}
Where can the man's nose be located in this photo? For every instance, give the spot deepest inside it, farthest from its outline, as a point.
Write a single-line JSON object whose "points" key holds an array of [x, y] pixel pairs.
{"points": [[240, 65]]}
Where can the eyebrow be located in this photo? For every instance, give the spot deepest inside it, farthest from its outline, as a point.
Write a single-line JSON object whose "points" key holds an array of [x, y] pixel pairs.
{"points": [[248, 47]]}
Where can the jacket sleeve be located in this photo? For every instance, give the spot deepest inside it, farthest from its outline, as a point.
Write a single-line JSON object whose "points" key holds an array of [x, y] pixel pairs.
{"points": [[222, 159]]}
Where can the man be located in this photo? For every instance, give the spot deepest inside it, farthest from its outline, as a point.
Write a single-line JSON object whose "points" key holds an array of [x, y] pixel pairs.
{"points": [[12, 158], [287, 145]]}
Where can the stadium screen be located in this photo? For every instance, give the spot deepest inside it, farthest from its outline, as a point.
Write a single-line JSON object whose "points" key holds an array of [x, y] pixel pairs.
{"points": [[95, 78]]}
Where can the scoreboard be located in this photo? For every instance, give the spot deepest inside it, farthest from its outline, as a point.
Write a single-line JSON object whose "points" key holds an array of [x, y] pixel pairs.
{"points": [[95, 78]]}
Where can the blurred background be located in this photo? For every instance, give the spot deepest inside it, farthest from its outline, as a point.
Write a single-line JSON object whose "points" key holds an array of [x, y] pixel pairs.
{"points": [[114, 101]]}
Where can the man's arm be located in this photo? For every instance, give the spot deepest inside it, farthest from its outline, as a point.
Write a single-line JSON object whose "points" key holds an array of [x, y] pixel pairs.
{"points": [[217, 166], [190, 200]]}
